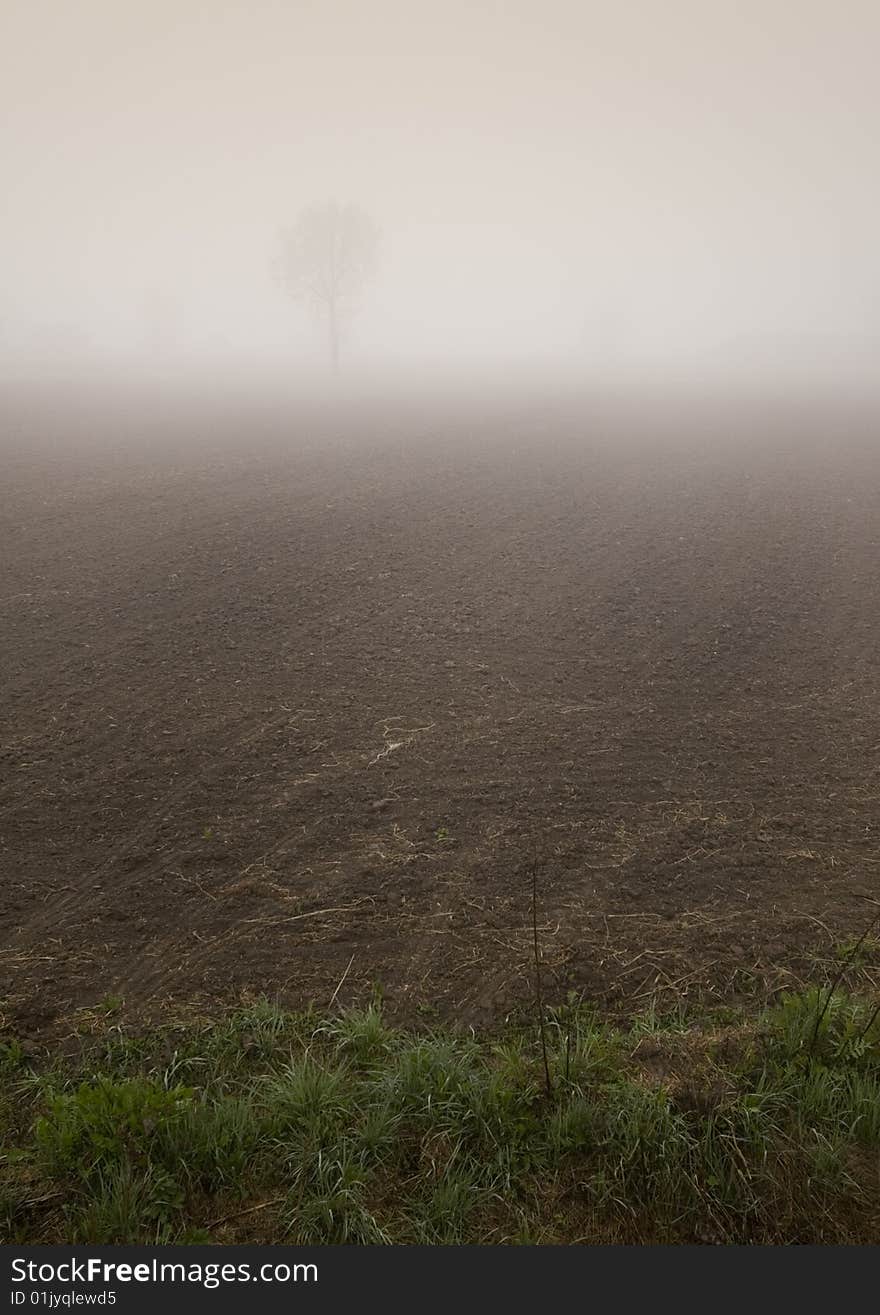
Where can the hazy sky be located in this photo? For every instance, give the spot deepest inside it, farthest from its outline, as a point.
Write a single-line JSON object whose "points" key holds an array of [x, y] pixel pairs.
{"points": [[661, 181]]}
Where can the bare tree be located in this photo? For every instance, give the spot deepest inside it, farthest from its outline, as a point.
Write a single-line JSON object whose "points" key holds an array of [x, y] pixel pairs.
{"points": [[325, 260]]}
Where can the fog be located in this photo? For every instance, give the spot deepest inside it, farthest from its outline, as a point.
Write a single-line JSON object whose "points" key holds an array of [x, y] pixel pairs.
{"points": [[640, 192]]}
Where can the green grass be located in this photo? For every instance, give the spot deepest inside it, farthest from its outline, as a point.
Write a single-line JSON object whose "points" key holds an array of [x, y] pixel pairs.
{"points": [[270, 1126]]}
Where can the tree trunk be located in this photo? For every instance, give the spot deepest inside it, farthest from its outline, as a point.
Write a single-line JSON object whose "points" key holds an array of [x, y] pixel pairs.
{"points": [[333, 329]]}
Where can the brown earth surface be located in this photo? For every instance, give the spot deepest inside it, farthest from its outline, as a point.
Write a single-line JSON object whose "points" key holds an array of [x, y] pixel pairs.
{"points": [[293, 708]]}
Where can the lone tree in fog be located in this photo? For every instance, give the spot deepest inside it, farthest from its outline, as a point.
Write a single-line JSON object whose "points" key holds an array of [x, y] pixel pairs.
{"points": [[325, 260]]}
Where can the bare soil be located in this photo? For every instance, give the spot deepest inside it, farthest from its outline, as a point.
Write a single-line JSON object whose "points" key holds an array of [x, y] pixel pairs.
{"points": [[292, 708]]}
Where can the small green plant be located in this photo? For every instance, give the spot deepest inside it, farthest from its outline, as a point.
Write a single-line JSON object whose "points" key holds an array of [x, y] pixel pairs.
{"points": [[103, 1123], [327, 1205], [362, 1034], [126, 1206], [307, 1101], [214, 1143], [111, 1004], [858, 952], [441, 1217], [12, 1056]]}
